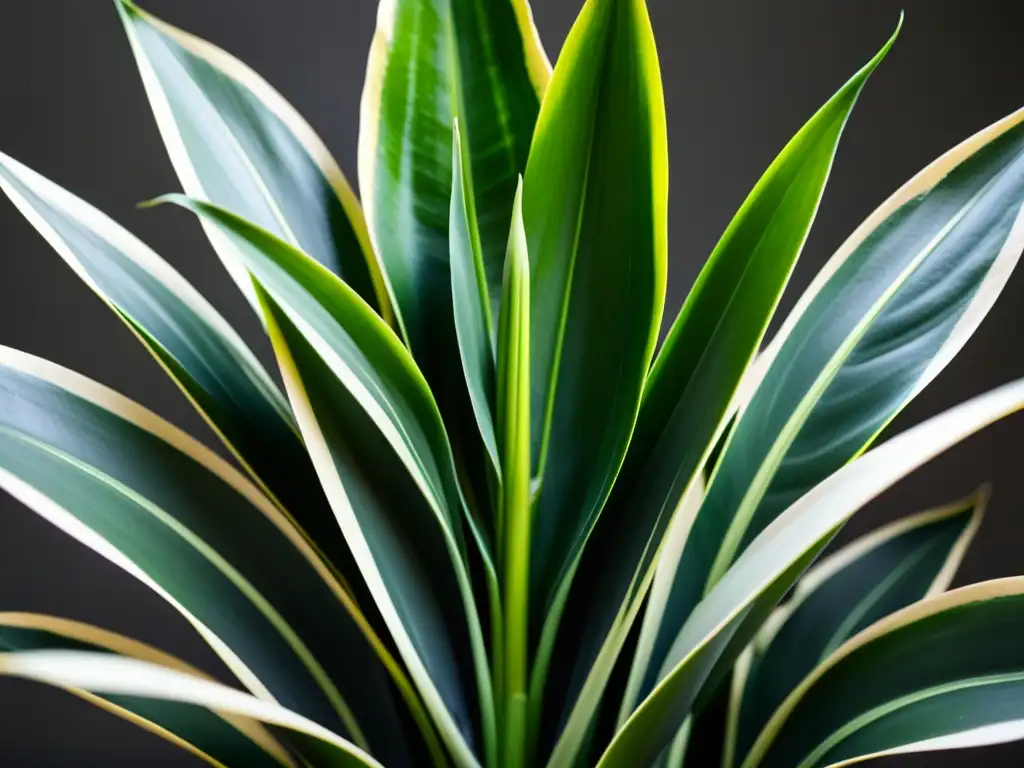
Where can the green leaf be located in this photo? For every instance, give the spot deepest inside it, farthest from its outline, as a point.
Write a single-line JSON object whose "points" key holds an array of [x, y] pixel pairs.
{"points": [[860, 584], [471, 304], [105, 674], [595, 207], [195, 345], [235, 141], [944, 673], [156, 503], [687, 395], [884, 317], [515, 508], [376, 438], [774, 561], [219, 740], [432, 61]]}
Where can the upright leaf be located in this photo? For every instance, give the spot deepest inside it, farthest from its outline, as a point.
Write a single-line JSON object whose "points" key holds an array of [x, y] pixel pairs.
{"points": [[471, 303], [687, 395], [432, 61], [865, 581], [515, 510], [595, 207], [235, 141], [216, 739], [773, 563], [945, 673], [150, 499], [884, 317], [195, 345]]}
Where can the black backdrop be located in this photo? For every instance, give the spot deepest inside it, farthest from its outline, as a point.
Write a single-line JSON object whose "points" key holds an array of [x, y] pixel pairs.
{"points": [[740, 77]]}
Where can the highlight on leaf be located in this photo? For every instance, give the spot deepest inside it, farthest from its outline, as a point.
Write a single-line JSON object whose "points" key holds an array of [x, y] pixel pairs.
{"points": [[482, 524]]}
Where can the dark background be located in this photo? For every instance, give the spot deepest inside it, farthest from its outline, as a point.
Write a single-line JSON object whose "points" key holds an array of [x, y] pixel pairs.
{"points": [[741, 76]]}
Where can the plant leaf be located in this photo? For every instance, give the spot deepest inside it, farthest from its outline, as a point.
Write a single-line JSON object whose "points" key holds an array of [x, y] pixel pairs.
{"points": [[944, 673], [775, 560], [687, 395], [471, 304], [885, 316], [103, 673], [860, 584], [515, 510], [235, 141], [595, 207], [219, 740], [380, 450], [150, 499], [211, 364], [431, 61]]}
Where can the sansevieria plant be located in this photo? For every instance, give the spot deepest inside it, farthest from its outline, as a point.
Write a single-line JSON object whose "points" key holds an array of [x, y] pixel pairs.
{"points": [[477, 517]]}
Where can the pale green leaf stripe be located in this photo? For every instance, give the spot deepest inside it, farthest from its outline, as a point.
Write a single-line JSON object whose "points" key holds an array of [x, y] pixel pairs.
{"points": [[944, 673], [410, 563], [858, 585], [474, 324], [898, 301], [515, 510], [159, 505], [771, 564], [211, 364], [431, 61], [220, 740], [686, 399], [235, 141], [597, 270], [105, 674]]}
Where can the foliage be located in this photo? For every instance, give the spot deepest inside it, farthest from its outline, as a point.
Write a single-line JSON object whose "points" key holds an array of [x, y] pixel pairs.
{"points": [[487, 521]]}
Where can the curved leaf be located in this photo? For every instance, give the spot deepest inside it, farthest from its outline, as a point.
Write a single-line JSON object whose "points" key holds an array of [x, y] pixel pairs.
{"points": [[947, 672], [216, 371], [393, 492], [687, 395], [220, 740], [860, 584], [105, 674], [235, 141], [595, 207], [431, 61], [775, 560], [885, 316], [150, 499]]}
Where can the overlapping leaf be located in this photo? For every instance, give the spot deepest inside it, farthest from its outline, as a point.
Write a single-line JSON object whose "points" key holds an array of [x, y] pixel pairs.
{"points": [[194, 344], [773, 563], [944, 673], [157, 504], [235, 141], [219, 740], [860, 584], [432, 61], [693, 380], [109, 675], [887, 313], [379, 447], [595, 207]]}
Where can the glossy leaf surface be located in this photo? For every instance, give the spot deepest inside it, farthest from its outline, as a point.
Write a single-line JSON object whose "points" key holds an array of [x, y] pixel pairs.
{"points": [[945, 673], [233, 140], [862, 583], [432, 61]]}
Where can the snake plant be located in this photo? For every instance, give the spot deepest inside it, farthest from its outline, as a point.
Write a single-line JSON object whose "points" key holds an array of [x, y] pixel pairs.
{"points": [[476, 516]]}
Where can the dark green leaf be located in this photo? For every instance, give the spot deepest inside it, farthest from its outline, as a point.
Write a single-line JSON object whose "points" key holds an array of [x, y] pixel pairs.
{"points": [[235, 141]]}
